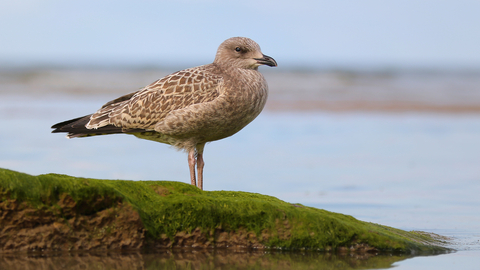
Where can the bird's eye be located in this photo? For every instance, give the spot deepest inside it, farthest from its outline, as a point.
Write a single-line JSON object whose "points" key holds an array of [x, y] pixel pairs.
{"points": [[238, 49]]}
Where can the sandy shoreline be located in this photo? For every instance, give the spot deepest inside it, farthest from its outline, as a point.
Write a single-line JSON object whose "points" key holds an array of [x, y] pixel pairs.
{"points": [[289, 91], [366, 106]]}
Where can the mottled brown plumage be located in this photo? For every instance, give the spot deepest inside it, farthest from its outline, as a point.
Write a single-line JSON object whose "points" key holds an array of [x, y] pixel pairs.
{"points": [[188, 108]]}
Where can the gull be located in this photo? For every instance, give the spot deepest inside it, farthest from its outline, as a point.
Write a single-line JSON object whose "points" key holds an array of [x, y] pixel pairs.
{"points": [[188, 108]]}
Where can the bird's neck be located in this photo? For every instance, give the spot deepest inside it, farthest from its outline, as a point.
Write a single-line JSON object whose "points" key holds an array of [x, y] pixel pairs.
{"points": [[231, 69]]}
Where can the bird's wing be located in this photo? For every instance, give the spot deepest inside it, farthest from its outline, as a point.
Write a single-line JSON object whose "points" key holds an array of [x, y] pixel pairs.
{"points": [[145, 108], [120, 99]]}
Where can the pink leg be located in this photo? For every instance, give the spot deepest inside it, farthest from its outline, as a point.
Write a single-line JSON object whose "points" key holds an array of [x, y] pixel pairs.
{"points": [[200, 164], [191, 165]]}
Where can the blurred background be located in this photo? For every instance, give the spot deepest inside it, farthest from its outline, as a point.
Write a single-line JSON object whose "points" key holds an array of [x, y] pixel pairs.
{"points": [[379, 35], [374, 109]]}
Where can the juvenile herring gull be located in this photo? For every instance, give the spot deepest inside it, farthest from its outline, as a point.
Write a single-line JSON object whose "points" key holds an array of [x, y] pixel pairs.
{"points": [[190, 107]]}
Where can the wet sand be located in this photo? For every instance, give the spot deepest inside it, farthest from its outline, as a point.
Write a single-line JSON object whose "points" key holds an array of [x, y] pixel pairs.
{"points": [[453, 92]]}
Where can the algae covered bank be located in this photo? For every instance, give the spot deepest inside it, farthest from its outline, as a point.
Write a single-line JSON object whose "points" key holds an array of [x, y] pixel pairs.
{"points": [[54, 212]]}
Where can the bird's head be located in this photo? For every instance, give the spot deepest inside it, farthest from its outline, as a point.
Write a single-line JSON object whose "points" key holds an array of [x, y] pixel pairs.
{"points": [[242, 52]]}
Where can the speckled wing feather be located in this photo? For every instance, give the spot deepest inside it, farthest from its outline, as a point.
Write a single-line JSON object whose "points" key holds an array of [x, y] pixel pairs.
{"points": [[145, 108]]}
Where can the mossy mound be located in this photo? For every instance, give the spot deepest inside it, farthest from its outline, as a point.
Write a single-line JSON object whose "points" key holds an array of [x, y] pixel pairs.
{"points": [[173, 214]]}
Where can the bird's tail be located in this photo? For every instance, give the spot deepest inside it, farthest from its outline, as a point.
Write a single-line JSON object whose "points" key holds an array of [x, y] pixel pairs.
{"points": [[76, 128]]}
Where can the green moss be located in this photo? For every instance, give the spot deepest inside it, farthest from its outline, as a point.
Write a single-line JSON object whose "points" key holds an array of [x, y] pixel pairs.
{"points": [[169, 207]]}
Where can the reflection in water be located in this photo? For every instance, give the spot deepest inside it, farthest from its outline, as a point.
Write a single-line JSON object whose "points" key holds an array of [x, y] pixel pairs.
{"points": [[198, 259]]}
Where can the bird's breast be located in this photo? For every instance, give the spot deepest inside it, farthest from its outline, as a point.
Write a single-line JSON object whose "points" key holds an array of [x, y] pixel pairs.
{"points": [[239, 104]]}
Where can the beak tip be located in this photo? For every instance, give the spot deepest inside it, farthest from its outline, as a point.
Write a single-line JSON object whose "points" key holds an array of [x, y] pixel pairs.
{"points": [[267, 60]]}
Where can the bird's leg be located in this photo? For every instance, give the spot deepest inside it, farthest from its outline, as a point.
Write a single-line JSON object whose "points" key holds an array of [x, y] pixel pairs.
{"points": [[191, 165], [200, 165]]}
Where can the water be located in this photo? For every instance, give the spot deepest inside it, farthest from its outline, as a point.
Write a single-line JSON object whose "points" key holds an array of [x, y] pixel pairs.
{"points": [[204, 259], [411, 170]]}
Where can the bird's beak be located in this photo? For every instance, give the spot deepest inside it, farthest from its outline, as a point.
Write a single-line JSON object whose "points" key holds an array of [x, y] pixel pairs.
{"points": [[266, 60]]}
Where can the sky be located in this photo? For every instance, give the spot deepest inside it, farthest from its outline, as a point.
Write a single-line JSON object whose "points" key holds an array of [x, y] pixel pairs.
{"points": [[303, 33]]}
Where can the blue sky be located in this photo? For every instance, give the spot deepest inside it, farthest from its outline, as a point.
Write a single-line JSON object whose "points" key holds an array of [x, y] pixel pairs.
{"points": [[349, 34]]}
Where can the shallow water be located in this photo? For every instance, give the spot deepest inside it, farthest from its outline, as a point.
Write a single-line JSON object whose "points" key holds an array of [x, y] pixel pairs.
{"points": [[410, 170], [201, 259]]}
